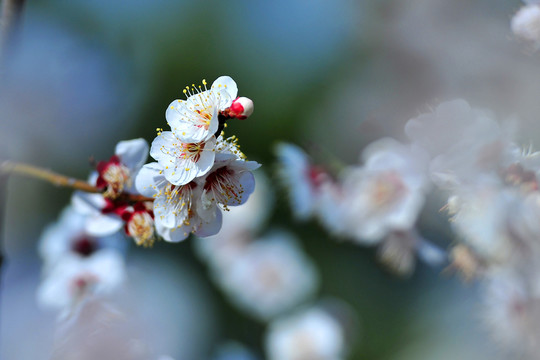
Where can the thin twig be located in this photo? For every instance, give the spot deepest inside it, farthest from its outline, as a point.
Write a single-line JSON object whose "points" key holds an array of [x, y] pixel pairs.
{"points": [[9, 167], [9, 26], [3, 200]]}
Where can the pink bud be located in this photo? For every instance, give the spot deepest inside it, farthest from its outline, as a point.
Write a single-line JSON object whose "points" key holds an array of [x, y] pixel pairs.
{"points": [[241, 108]]}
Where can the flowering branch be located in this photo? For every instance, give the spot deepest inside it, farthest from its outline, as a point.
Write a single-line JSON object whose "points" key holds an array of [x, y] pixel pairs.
{"points": [[9, 167]]}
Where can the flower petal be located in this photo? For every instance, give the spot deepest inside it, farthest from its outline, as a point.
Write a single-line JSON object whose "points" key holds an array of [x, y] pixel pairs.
{"points": [[132, 153]]}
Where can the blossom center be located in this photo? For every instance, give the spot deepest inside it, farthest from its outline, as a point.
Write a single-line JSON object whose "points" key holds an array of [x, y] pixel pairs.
{"points": [[84, 246], [224, 186], [141, 228], [191, 151], [386, 189]]}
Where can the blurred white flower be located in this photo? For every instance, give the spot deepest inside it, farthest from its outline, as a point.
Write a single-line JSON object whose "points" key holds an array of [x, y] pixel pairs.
{"points": [[195, 120], [301, 179], [68, 237], [386, 193], [526, 23], [271, 276], [481, 220], [73, 280], [511, 310], [309, 334], [464, 143]]}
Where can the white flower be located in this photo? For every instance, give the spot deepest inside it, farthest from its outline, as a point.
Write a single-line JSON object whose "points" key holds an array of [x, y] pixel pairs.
{"points": [[139, 225], [230, 182], [68, 237], [511, 310], [309, 334], [181, 161], [102, 215], [387, 193], [74, 279], [240, 225], [195, 120], [176, 208], [526, 23], [117, 176], [482, 220], [464, 143], [301, 178], [270, 276], [330, 208]]}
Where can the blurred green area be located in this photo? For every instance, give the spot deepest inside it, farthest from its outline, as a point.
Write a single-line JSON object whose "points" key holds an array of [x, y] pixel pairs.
{"points": [[298, 60]]}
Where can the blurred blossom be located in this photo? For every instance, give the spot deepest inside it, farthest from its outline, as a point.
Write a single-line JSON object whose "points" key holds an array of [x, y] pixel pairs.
{"points": [[481, 220], [272, 275], [301, 179], [526, 24], [77, 266], [377, 202], [511, 310], [464, 143], [132, 323], [309, 333], [387, 192], [74, 280], [68, 237]]}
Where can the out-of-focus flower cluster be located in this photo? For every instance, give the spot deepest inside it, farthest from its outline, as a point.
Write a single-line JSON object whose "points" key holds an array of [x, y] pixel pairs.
{"points": [[270, 278], [375, 203], [491, 184]]}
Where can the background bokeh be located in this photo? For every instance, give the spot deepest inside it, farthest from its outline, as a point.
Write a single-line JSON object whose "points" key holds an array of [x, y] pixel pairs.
{"points": [[331, 76]]}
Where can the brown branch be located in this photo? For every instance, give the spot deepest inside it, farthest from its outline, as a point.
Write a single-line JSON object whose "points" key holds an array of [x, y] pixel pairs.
{"points": [[13, 168]]}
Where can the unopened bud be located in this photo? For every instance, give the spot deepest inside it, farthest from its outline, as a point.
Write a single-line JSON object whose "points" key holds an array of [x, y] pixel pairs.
{"points": [[241, 108]]}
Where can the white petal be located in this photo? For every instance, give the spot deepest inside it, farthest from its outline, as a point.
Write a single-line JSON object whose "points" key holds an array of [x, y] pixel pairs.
{"points": [[103, 225], [172, 234], [86, 203], [148, 179], [229, 85], [132, 153], [212, 227]]}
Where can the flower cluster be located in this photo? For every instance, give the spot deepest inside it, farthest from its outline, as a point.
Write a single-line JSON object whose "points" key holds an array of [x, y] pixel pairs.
{"points": [[197, 171], [197, 174], [376, 202], [493, 202], [270, 278], [77, 265]]}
